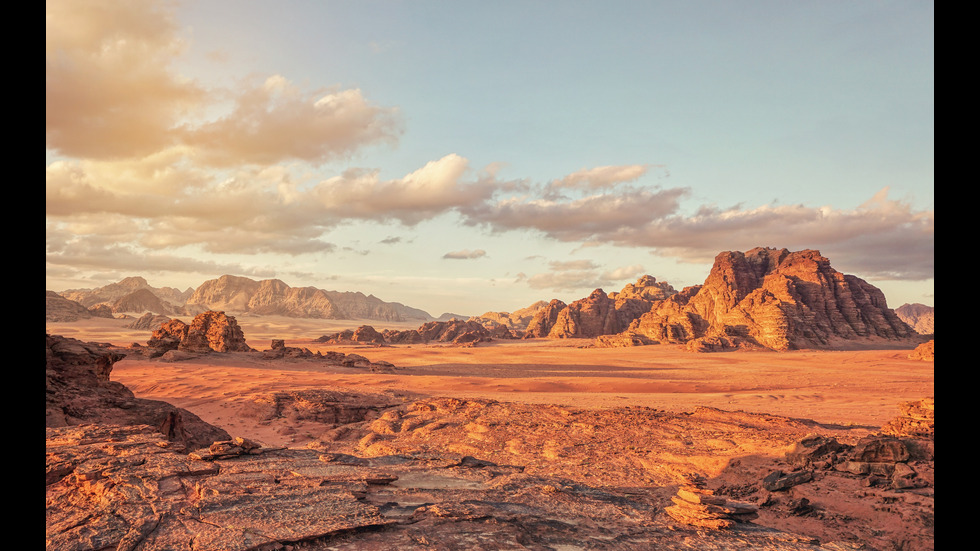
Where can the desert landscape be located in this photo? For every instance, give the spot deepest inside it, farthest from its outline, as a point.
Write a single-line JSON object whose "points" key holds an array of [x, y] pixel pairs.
{"points": [[285, 432], [481, 276]]}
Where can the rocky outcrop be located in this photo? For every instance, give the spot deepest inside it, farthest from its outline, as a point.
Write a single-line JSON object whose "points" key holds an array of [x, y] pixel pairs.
{"points": [[919, 317], [587, 318], [79, 391], [698, 506], [601, 314], [453, 331], [517, 320], [925, 352], [646, 288], [779, 300], [208, 332], [917, 419], [544, 319]]}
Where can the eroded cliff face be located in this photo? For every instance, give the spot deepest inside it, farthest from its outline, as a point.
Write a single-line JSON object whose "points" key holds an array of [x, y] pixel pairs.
{"points": [[775, 299]]}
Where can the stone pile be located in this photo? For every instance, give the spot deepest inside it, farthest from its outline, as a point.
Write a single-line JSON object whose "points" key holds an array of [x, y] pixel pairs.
{"points": [[699, 506]]}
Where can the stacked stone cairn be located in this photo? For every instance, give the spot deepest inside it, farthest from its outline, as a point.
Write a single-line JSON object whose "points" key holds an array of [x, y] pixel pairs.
{"points": [[698, 506]]}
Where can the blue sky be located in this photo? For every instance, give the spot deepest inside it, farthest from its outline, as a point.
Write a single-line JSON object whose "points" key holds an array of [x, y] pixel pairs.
{"points": [[474, 156]]}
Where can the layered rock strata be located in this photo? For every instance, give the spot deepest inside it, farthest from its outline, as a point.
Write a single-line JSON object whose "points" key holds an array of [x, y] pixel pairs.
{"points": [[699, 506]]}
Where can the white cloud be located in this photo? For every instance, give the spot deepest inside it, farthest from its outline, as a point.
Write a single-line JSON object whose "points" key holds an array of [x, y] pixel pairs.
{"points": [[465, 254]]}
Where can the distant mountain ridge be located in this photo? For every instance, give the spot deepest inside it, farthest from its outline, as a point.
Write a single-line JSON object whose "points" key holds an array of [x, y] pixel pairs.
{"points": [[242, 295], [919, 317]]}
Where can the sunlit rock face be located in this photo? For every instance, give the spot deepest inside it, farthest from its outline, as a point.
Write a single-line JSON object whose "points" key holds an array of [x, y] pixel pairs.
{"points": [[776, 299]]}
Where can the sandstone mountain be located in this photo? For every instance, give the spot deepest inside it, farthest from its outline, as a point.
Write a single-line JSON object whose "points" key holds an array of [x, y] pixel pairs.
{"points": [[273, 297], [241, 295], [776, 299], [111, 293], [59, 308], [919, 317], [599, 313], [516, 320]]}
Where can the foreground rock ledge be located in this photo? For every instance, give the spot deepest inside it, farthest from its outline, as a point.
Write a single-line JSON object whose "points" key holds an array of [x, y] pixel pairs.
{"points": [[126, 488]]}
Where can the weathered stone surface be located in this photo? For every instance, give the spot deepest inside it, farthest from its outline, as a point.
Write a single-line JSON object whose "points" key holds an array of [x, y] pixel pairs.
{"points": [[601, 314], [124, 488]]}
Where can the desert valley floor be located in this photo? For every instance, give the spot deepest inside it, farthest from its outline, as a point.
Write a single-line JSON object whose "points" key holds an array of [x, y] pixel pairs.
{"points": [[852, 387], [847, 394]]}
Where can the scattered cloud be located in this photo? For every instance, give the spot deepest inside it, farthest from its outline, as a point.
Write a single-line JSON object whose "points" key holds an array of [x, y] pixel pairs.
{"points": [[579, 275], [465, 254], [275, 121]]}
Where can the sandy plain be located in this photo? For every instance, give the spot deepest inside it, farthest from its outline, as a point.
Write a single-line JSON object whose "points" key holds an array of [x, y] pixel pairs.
{"points": [[849, 388]]}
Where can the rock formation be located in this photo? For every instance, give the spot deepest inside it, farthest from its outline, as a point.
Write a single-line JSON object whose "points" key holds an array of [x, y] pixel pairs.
{"points": [[544, 319], [919, 317], [517, 320], [453, 331], [209, 332], [79, 391], [777, 299], [698, 506]]}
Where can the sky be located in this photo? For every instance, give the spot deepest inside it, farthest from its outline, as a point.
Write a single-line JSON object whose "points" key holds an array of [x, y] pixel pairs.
{"points": [[464, 156]]}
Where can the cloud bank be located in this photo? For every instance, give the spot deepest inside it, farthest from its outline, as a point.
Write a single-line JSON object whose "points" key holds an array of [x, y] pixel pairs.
{"points": [[148, 169]]}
